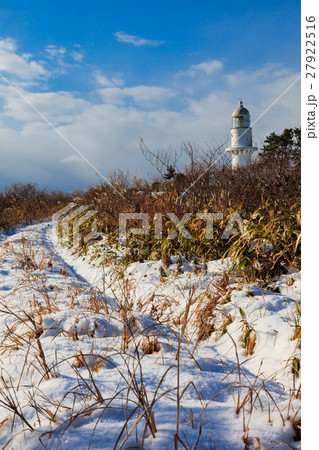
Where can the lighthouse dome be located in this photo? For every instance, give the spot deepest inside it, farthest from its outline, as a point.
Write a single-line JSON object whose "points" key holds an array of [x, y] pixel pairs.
{"points": [[241, 116]]}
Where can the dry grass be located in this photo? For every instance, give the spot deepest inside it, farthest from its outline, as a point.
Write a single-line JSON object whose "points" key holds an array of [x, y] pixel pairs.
{"points": [[26, 203], [139, 406], [150, 345], [218, 190]]}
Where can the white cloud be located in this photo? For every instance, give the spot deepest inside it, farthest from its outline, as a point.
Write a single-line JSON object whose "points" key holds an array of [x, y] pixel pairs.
{"points": [[207, 67], [57, 107], [146, 95], [267, 73], [19, 65], [54, 52], [63, 58], [71, 159], [135, 40], [77, 56], [103, 80]]}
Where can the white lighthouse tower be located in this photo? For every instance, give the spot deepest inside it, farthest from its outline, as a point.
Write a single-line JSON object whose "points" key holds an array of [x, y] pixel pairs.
{"points": [[241, 147]]}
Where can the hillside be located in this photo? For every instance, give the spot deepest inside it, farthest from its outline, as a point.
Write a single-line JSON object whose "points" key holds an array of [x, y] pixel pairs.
{"points": [[113, 356]]}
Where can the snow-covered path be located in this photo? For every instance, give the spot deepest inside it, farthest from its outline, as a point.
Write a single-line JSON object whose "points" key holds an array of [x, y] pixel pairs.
{"points": [[68, 383]]}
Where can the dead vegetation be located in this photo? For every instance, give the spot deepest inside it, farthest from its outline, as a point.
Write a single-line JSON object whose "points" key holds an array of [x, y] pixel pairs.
{"points": [[140, 406], [22, 204], [266, 195]]}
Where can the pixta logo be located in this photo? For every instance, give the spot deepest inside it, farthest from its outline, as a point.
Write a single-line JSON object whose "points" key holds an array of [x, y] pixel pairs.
{"points": [[68, 222], [234, 225]]}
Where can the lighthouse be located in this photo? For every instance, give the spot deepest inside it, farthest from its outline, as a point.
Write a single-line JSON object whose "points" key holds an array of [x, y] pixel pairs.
{"points": [[241, 147]]}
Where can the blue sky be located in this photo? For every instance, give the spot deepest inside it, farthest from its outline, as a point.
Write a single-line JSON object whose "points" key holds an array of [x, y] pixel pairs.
{"points": [[106, 73]]}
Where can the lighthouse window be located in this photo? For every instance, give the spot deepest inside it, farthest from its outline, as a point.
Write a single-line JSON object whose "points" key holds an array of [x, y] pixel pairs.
{"points": [[241, 122]]}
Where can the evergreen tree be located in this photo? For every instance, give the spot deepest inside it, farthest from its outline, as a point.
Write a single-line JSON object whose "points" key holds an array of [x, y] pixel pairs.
{"points": [[285, 147], [171, 173]]}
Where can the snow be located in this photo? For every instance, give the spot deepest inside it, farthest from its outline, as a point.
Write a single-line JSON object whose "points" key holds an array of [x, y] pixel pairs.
{"points": [[76, 308]]}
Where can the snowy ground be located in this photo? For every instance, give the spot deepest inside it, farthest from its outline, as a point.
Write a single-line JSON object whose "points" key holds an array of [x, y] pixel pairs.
{"points": [[66, 381]]}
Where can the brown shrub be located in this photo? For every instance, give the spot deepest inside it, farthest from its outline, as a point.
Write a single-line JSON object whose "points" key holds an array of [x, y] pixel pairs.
{"points": [[22, 204]]}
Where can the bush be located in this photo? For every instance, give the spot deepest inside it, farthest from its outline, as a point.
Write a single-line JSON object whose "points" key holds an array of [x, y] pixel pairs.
{"points": [[22, 204], [273, 245]]}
